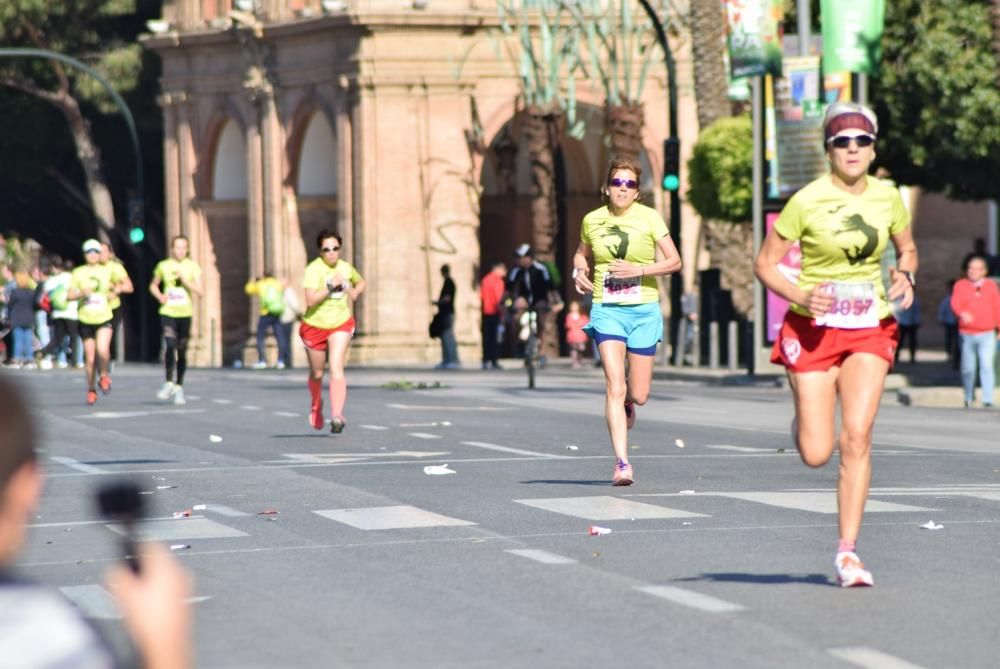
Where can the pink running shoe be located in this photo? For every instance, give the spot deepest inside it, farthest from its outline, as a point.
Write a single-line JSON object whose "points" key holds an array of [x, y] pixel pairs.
{"points": [[851, 571], [629, 414], [622, 474]]}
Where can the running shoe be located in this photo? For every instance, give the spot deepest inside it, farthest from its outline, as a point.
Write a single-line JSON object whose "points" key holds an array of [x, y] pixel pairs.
{"points": [[166, 391], [179, 396], [280, 365], [45, 363], [260, 364], [337, 424], [105, 383], [622, 474], [851, 571], [316, 415], [91, 397], [629, 414]]}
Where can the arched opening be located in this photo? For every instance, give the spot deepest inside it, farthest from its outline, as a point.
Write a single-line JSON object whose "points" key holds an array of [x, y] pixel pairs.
{"points": [[316, 180], [229, 166]]}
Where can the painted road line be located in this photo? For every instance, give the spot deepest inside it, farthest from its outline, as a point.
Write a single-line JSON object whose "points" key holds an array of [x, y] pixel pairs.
{"points": [[328, 458], [869, 658], [429, 407], [740, 449], [93, 600], [250, 407], [286, 414], [224, 510], [544, 557], [77, 465], [424, 435], [181, 528], [101, 415], [373, 427], [815, 502], [83, 522], [391, 518], [221, 401], [695, 600], [515, 451], [605, 507], [443, 423]]}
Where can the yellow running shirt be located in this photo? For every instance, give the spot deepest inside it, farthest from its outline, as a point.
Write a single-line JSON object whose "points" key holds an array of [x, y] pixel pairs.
{"points": [[95, 309], [632, 238], [178, 303], [843, 235], [335, 310], [118, 274]]}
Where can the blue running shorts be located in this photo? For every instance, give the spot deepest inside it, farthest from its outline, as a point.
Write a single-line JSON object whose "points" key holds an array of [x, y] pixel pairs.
{"points": [[640, 326]]}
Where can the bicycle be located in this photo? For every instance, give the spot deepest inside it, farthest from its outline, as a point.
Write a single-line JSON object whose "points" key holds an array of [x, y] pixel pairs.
{"points": [[532, 352]]}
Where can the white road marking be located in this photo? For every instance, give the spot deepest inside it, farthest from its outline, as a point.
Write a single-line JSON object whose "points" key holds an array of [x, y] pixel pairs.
{"points": [[198, 600], [424, 435], [136, 414], [221, 401], [286, 414], [330, 458], [224, 510], [515, 451], [741, 449], [250, 407], [93, 600], [195, 527], [373, 427], [869, 658], [816, 502], [429, 407], [83, 522], [605, 507], [77, 465], [443, 423], [695, 600], [391, 518], [544, 557]]}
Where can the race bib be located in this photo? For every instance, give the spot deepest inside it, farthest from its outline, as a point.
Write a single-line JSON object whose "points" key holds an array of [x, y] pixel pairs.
{"points": [[176, 296], [96, 300], [621, 290], [854, 306]]}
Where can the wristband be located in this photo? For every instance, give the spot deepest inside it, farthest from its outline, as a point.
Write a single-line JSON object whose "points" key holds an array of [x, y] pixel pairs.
{"points": [[909, 277]]}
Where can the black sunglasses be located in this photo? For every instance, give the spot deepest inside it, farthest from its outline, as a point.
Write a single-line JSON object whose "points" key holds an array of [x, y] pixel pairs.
{"points": [[844, 142], [330, 249], [628, 183]]}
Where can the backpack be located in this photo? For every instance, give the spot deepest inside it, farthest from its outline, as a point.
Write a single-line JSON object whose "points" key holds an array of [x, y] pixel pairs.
{"points": [[273, 299]]}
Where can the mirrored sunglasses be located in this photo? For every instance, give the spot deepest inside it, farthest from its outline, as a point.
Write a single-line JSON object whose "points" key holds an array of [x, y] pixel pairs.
{"points": [[628, 183], [843, 142], [330, 249]]}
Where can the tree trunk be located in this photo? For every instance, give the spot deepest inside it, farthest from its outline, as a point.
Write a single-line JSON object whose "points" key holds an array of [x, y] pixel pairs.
{"points": [[541, 126], [711, 87], [90, 160], [624, 128]]}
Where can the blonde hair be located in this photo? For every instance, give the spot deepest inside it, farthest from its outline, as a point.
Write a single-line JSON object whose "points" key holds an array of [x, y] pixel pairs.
{"points": [[22, 279]]}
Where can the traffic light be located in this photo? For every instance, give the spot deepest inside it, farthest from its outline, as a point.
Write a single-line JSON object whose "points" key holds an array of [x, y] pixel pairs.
{"points": [[671, 164], [136, 232]]}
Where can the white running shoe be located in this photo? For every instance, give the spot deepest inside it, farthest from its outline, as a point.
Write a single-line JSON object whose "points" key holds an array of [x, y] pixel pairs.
{"points": [[179, 396], [851, 570], [260, 364], [45, 363], [166, 392], [280, 365]]}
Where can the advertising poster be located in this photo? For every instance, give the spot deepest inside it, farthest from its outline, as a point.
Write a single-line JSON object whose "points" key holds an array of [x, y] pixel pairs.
{"points": [[852, 35], [753, 37], [794, 118], [790, 266]]}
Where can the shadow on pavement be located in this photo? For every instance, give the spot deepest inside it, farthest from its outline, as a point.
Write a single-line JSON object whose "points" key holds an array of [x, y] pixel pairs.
{"points": [[604, 482], [762, 579]]}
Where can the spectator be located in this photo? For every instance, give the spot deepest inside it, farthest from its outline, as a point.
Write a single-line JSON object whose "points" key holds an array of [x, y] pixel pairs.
{"points": [[43, 306], [446, 309], [272, 305], [64, 318], [976, 301], [289, 316], [909, 323], [979, 250], [576, 338], [21, 305], [949, 321], [48, 631], [491, 291]]}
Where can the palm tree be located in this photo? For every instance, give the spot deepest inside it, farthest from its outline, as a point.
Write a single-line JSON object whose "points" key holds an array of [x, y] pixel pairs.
{"points": [[711, 86]]}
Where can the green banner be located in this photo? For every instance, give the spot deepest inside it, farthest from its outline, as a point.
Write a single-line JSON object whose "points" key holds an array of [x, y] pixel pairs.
{"points": [[852, 35], [753, 35]]}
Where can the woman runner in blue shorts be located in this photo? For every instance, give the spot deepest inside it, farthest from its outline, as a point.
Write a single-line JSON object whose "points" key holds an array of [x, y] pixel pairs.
{"points": [[620, 239]]}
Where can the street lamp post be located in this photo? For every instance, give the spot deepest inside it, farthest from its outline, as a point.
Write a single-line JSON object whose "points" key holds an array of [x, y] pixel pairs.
{"points": [[676, 282], [137, 205]]}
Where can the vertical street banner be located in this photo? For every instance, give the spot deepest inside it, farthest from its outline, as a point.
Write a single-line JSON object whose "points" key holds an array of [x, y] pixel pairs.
{"points": [[753, 37], [794, 127], [852, 35]]}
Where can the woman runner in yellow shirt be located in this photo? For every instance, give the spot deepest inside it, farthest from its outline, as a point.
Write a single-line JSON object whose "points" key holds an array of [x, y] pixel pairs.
{"points": [[838, 339], [332, 285]]}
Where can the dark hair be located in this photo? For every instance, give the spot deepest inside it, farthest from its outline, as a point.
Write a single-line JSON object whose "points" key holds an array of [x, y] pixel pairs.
{"points": [[17, 437], [327, 234], [176, 237], [619, 164]]}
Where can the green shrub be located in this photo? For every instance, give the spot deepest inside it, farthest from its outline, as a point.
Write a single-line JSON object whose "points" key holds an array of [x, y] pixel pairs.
{"points": [[721, 171]]}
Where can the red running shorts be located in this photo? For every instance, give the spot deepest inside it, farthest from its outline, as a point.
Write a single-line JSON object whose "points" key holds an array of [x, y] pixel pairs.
{"points": [[803, 346], [316, 338]]}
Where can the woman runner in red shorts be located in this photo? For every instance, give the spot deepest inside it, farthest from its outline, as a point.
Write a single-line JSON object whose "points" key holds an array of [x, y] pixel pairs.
{"points": [[838, 340], [332, 285]]}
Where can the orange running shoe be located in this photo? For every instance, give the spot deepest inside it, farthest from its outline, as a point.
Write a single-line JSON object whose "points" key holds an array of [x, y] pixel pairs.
{"points": [[91, 397], [105, 383]]}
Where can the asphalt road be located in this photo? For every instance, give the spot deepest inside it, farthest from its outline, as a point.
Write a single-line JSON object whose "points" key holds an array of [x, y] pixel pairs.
{"points": [[720, 556]]}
